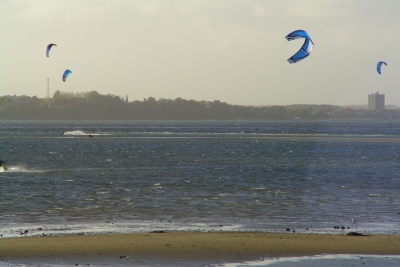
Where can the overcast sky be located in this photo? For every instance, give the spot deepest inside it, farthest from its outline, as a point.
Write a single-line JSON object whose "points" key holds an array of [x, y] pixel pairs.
{"points": [[234, 51]]}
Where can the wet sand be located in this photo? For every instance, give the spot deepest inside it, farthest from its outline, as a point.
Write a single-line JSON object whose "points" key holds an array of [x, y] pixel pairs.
{"points": [[221, 247]]}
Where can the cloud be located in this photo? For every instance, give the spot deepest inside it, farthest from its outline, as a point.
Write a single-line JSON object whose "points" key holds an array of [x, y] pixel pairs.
{"points": [[50, 10], [316, 9]]}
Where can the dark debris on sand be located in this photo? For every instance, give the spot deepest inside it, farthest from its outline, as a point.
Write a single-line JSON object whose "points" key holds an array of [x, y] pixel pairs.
{"points": [[355, 234]]}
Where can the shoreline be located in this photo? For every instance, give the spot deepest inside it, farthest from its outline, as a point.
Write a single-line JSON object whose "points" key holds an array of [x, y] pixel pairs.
{"points": [[211, 247]]}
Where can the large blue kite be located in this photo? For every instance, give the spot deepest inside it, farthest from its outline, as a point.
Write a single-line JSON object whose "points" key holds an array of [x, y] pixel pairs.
{"points": [[305, 50]]}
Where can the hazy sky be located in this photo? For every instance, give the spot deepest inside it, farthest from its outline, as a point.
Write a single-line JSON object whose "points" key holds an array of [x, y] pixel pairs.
{"points": [[234, 51]]}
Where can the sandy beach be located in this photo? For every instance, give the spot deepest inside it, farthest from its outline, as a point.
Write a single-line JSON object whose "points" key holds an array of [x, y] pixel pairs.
{"points": [[195, 246]]}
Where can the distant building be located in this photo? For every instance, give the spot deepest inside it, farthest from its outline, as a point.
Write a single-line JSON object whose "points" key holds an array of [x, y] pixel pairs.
{"points": [[376, 101]]}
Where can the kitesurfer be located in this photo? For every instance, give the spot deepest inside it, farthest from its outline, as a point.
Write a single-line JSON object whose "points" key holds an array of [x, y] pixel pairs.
{"points": [[1, 164]]}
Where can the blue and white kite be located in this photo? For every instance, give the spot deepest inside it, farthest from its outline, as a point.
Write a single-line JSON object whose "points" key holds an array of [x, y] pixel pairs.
{"points": [[379, 65], [48, 47], [305, 50], [65, 75]]}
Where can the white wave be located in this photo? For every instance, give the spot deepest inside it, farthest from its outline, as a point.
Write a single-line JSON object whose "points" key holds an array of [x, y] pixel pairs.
{"points": [[84, 133], [76, 132], [324, 259], [142, 226]]}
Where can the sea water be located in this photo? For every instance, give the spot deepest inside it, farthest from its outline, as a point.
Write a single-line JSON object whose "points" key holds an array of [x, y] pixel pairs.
{"points": [[89, 177]]}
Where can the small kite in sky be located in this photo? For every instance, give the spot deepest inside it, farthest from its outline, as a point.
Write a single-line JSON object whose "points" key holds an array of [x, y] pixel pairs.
{"points": [[48, 47], [65, 75], [379, 65]]}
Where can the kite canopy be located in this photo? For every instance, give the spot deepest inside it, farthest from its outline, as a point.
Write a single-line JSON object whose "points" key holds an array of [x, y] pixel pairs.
{"points": [[305, 50], [379, 65], [48, 47], [65, 75]]}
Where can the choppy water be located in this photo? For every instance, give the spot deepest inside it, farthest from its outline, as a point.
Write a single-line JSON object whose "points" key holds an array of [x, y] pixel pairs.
{"points": [[206, 176]]}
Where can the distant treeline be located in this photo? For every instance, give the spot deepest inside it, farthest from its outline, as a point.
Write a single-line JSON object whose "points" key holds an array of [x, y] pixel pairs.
{"points": [[95, 106]]}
